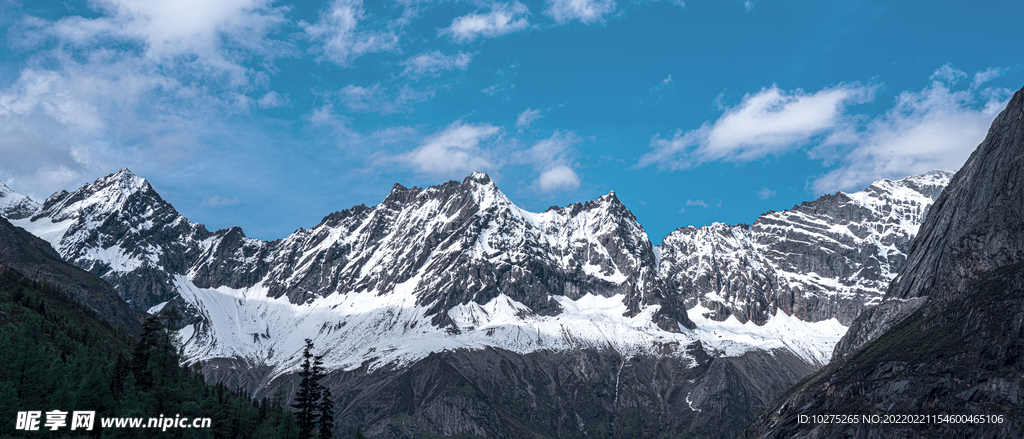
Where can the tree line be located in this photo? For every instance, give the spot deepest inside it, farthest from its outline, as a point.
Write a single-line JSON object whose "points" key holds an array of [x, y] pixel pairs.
{"points": [[58, 354]]}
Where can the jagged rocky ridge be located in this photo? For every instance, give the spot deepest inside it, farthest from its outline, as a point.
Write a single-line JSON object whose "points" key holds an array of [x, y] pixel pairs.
{"points": [[459, 266], [828, 258], [948, 339]]}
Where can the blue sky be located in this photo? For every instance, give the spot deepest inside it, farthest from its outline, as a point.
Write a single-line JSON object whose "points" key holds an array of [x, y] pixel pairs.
{"points": [[270, 115]]}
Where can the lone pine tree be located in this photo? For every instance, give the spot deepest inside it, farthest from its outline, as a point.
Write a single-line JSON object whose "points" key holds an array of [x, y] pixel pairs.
{"points": [[313, 403]]}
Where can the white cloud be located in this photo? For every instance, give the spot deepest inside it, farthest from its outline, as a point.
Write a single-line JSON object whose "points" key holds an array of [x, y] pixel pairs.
{"points": [[214, 37], [560, 177], [553, 158], [586, 11], [272, 99], [948, 74], [765, 193], [219, 201], [527, 117], [456, 150], [557, 148], [769, 122], [432, 63], [986, 75], [935, 128], [338, 38], [377, 99], [132, 85], [501, 20], [700, 203]]}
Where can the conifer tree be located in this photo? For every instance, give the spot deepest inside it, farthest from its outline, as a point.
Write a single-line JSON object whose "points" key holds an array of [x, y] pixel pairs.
{"points": [[325, 410], [308, 395]]}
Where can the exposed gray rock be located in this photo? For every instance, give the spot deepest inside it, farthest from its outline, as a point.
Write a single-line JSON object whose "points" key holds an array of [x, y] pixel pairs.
{"points": [[828, 258], [577, 394], [974, 227]]}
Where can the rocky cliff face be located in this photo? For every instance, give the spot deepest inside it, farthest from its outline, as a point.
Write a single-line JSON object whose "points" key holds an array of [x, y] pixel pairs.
{"points": [[949, 337], [824, 259], [120, 229], [573, 394]]}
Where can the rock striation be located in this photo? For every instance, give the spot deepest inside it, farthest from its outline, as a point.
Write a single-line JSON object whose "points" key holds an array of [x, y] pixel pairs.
{"points": [[823, 259]]}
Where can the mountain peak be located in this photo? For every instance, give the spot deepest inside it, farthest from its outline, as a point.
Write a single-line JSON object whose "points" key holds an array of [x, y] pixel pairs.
{"points": [[124, 179], [14, 205], [478, 177]]}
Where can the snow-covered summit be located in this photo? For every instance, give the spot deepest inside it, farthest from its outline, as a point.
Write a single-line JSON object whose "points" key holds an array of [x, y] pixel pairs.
{"points": [[14, 205]]}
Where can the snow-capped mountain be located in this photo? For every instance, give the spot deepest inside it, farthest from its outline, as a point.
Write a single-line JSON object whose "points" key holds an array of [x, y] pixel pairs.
{"points": [[14, 205], [458, 259], [824, 259], [120, 229], [458, 266]]}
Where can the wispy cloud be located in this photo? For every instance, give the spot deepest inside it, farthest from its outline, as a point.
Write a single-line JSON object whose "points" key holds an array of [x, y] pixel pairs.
{"points": [[700, 203], [769, 122], [378, 99], [131, 84], [527, 117], [168, 29], [219, 201], [935, 128], [272, 99], [765, 193], [434, 62], [505, 81], [338, 37], [455, 150], [502, 19], [553, 158], [586, 11]]}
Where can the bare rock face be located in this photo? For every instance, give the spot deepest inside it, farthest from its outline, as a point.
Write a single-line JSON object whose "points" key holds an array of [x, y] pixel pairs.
{"points": [[974, 227], [828, 258], [948, 339], [495, 393]]}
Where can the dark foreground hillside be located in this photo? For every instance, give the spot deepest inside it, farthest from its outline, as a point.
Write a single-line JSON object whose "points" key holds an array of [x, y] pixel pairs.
{"points": [[58, 354]]}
